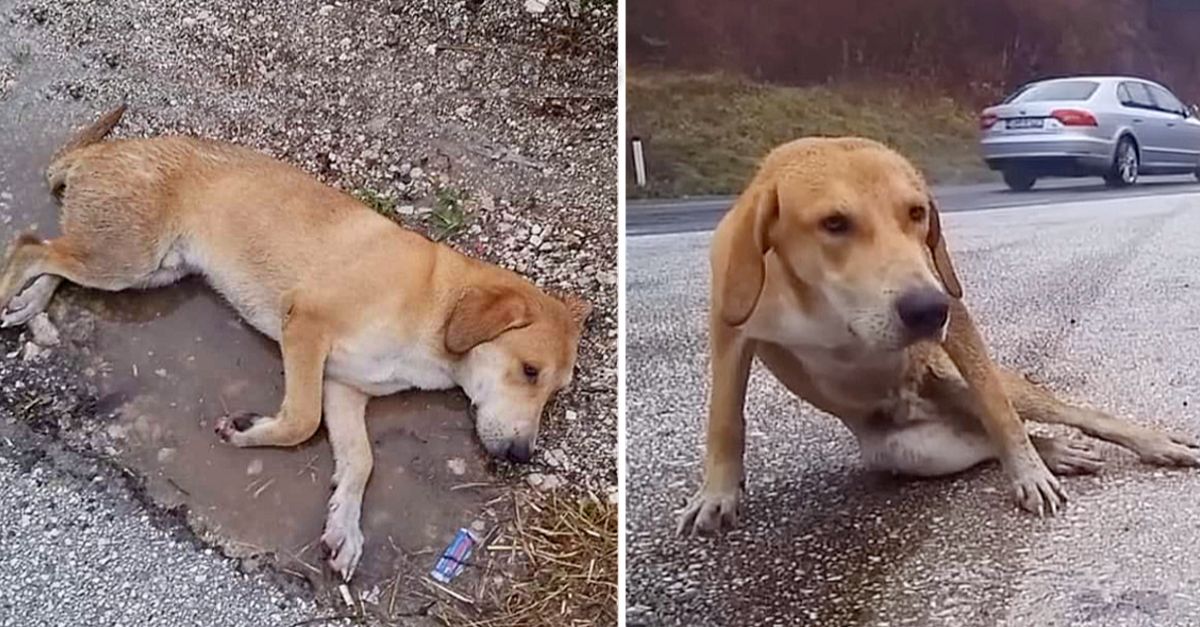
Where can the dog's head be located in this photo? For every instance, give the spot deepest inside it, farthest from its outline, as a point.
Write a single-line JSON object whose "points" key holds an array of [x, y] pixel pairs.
{"points": [[856, 234], [516, 347]]}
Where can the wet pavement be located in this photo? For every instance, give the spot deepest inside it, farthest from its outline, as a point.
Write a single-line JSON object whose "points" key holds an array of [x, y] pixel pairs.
{"points": [[166, 363], [1098, 300]]}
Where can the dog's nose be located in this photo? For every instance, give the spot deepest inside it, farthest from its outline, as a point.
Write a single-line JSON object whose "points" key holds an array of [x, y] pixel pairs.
{"points": [[520, 451], [923, 311]]}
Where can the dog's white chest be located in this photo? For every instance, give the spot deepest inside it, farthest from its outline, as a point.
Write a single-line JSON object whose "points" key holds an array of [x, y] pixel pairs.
{"points": [[382, 366], [861, 386]]}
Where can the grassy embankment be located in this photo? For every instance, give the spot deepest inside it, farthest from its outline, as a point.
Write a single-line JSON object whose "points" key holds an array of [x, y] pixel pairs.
{"points": [[704, 134]]}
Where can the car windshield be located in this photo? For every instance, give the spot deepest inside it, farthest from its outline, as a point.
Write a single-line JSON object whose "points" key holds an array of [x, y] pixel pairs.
{"points": [[1058, 90]]}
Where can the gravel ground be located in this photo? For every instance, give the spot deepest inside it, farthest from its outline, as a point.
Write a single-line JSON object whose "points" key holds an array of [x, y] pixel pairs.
{"points": [[1097, 300], [77, 549], [475, 121]]}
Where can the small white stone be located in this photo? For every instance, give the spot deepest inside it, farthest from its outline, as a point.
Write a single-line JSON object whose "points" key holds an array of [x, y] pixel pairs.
{"points": [[457, 465], [255, 467]]}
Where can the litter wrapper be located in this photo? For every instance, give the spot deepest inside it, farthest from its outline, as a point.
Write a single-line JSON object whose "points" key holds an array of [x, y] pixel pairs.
{"points": [[454, 558]]}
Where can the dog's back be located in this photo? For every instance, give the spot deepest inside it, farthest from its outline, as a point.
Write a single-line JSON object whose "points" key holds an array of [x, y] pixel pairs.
{"points": [[163, 207]]}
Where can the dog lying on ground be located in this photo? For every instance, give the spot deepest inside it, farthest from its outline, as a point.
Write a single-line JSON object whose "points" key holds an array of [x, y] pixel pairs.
{"points": [[832, 270], [360, 306]]}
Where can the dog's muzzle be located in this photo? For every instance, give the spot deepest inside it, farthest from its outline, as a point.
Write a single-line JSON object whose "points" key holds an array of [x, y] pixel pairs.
{"points": [[516, 449]]}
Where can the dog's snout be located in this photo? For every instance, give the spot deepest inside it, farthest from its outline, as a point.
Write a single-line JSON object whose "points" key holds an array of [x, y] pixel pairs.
{"points": [[520, 451], [923, 311]]}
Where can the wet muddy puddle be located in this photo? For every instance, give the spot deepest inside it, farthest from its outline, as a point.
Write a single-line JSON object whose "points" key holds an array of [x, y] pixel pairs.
{"points": [[168, 362]]}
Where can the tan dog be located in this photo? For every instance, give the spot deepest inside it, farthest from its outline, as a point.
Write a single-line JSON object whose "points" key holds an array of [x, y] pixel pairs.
{"points": [[360, 306], [832, 270]]}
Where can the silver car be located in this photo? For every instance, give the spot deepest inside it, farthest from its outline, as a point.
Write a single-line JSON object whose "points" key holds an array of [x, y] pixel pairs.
{"points": [[1112, 126]]}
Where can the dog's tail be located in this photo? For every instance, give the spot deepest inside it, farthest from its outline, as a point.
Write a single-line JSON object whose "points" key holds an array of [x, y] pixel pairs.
{"points": [[56, 174]]}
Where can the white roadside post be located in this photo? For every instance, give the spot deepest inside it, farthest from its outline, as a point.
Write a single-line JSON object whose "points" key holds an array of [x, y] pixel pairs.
{"points": [[639, 162]]}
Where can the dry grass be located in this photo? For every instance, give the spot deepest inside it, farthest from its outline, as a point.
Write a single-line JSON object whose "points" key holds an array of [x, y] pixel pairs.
{"points": [[704, 134], [559, 556]]}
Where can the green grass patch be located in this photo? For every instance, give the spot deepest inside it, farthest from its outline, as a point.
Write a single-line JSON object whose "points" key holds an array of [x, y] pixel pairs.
{"points": [[380, 203], [449, 215], [705, 134]]}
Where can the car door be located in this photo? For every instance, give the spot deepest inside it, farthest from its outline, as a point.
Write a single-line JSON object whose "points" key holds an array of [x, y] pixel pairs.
{"points": [[1149, 126], [1183, 130]]}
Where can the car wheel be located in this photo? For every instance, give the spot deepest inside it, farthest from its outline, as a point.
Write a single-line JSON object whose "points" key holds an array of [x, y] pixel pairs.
{"points": [[1124, 170], [1019, 180]]}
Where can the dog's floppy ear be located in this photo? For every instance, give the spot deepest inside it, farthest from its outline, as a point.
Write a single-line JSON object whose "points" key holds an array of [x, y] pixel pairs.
{"points": [[580, 308], [941, 258], [483, 313], [739, 283]]}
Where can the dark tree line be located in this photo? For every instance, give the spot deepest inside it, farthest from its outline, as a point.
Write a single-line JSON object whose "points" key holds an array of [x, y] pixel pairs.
{"points": [[977, 49]]}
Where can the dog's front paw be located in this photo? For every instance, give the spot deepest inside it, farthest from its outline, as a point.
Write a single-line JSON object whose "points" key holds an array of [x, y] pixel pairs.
{"points": [[343, 541], [711, 511], [1036, 489], [231, 428]]}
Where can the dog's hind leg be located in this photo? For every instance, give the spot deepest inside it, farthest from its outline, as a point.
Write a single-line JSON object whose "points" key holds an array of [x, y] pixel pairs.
{"points": [[33, 270], [30, 301], [345, 420], [925, 449], [26, 259], [305, 346], [937, 449], [1151, 446]]}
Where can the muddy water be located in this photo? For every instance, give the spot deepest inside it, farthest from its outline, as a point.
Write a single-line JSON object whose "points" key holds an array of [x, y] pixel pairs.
{"points": [[167, 362]]}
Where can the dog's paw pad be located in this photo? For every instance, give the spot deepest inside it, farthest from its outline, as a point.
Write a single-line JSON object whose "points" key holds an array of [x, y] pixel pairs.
{"points": [[710, 512], [227, 426], [1038, 491], [343, 545]]}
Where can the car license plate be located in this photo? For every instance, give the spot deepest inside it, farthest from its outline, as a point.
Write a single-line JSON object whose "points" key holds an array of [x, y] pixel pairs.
{"points": [[1025, 123]]}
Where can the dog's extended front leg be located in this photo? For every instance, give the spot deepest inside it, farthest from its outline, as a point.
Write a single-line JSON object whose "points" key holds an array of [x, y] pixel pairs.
{"points": [[1036, 488], [345, 419], [305, 345], [718, 503]]}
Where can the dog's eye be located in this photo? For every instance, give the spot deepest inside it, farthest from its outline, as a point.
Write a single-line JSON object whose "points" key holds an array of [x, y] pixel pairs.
{"points": [[917, 213], [837, 224], [531, 372]]}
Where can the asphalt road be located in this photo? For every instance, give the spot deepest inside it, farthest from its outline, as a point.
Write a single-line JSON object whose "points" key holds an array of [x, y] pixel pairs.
{"points": [[646, 217], [1098, 299]]}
